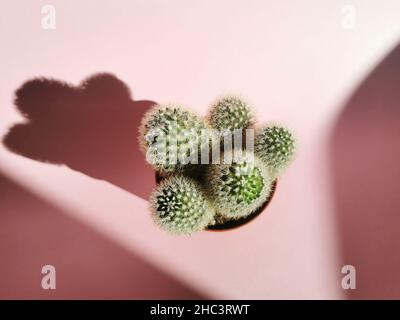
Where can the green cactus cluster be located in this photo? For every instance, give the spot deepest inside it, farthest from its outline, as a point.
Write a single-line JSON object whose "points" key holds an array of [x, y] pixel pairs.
{"points": [[192, 196]]}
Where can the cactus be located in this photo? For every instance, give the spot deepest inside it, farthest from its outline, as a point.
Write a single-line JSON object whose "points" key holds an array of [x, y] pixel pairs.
{"points": [[239, 188], [229, 113], [180, 207], [275, 146], [168, 133]]}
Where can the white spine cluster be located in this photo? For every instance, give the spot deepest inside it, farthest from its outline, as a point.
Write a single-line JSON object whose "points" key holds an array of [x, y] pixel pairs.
{"points": [[275, 145], [239, 188], [180, 207], [170, 135], [229, 113]]}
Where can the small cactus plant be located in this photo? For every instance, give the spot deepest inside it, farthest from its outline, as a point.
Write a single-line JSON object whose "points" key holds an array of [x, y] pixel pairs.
{"points": [[275, 145], [238, 188], [169, 132], [180, 207], [193, 196], [229, 113]]}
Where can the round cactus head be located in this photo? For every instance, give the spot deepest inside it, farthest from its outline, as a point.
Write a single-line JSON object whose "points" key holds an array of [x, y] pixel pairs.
{"points": [[170, 136], [275, 146], [239, 188], [229, 113], [180, 207]]}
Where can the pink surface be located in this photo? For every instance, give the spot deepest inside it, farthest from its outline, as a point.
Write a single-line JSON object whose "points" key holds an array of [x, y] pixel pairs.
{"points": [[366, 157], [295, 62], [88, 266]]}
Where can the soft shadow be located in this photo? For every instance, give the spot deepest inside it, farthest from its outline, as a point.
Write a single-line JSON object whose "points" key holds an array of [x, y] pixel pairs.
{"points": [[91, 128], [34, 233], [366, 172]]}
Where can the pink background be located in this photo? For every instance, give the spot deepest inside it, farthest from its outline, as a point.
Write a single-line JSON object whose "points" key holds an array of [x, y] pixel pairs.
{"points": [[73, 185]]}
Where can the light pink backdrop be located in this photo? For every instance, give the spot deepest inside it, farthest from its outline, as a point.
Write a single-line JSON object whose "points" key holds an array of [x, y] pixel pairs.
{"points": [[295, 63]]}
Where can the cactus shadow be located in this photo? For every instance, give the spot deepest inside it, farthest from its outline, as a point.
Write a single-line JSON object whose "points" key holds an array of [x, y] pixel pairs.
{"points": [[91, 128], [365, 153], [88, 265]]}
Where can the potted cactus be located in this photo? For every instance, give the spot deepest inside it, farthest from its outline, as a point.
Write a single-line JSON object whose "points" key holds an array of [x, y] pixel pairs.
{"points": [[194, 192]]}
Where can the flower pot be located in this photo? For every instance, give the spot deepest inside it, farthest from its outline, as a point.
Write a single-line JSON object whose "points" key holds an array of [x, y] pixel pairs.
{"points": [[227, 225]]}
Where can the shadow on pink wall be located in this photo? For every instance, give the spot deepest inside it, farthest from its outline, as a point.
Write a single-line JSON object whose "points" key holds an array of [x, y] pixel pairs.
{"points": [[366, 172], [34, 233], [91, 128]]}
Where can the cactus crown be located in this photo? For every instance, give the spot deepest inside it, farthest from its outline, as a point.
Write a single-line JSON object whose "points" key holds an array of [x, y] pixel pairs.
{"points": [[180, 207], [168, 133], [239, 188], [275, 146], [231, 113]]}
